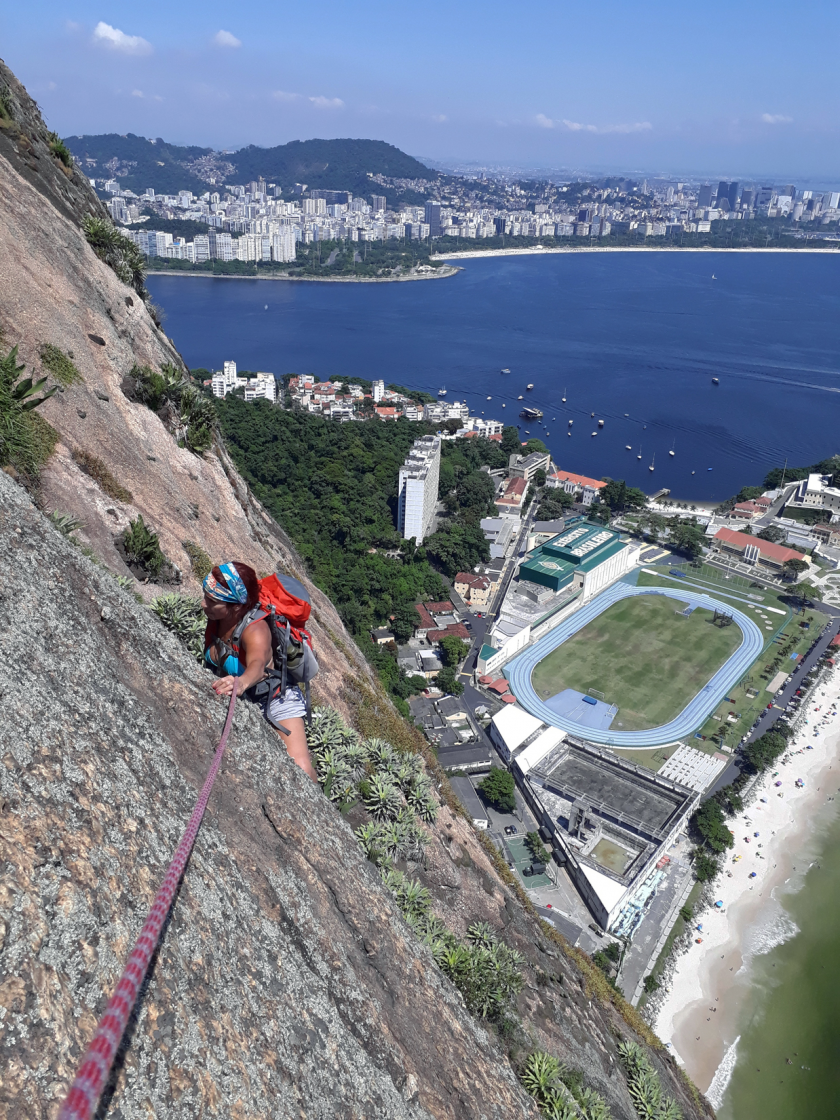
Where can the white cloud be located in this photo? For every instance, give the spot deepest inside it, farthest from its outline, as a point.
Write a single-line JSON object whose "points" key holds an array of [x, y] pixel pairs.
{"points": [[284, 95], [775, 118], [440, 118], [116, 40], [226, 39], [146, 96], [638, 126], [137, 93], [543, 121], [327, 102]]}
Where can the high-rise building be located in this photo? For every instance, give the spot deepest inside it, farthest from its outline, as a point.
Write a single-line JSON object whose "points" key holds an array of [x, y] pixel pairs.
{"points": [[433, 218], [418, 489], [283, 244], [221, 246], [377, 391], [732, 195], [747, 199], [378, 202], [704, 196]]}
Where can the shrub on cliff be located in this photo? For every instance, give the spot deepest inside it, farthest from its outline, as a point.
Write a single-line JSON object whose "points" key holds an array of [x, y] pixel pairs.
{"points": [[26, 441], [117, 251], [141, 548], [188, 415], [182, 615]]}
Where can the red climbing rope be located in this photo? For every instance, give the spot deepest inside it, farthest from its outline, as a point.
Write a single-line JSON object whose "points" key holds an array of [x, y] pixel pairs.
{"points": [[96, 1066]]}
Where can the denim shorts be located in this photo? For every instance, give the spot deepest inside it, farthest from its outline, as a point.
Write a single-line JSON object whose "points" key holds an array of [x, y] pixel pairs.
{"points": [[290, 706]]}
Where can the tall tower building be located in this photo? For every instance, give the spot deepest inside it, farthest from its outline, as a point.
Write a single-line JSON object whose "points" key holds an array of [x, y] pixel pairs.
{"points": [[378, 203], [418, 489], [704, 196], [433, 218]]}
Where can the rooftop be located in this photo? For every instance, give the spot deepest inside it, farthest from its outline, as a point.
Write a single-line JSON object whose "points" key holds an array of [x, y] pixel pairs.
{"points": [[579, 479], [772, 551]]}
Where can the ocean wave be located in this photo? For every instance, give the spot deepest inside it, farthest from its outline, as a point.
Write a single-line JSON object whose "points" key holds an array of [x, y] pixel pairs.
{"points": [[723, 1075], [774, 930]]}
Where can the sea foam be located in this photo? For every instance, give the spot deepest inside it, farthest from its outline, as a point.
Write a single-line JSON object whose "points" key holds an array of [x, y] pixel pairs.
{"points": [[775, 929], [723, 1075]]}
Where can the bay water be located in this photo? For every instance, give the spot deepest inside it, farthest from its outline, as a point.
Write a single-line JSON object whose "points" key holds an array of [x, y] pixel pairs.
{"points": [[634, 338]]}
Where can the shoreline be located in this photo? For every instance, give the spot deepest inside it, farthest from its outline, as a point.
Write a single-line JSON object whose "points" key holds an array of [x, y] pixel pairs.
{"points": [[700, 1017], [537, 251], [437, 274]]}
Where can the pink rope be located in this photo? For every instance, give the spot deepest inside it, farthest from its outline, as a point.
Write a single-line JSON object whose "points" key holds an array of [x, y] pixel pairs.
{"points": [[95, 1069]]}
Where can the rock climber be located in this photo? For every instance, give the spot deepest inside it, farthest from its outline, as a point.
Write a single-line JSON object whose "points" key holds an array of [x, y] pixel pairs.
{"points": [[231, 591]]}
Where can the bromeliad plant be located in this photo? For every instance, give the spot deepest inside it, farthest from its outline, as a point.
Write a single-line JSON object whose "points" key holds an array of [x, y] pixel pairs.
{"points": [[18, 441], [645, 1087]]}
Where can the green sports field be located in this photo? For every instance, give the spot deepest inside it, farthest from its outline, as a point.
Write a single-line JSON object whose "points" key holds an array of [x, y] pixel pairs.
{"points": [[643, 656]]}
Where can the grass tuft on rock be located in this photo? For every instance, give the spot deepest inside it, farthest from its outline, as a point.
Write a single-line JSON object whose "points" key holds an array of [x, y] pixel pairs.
{"points": [[60, 365], [96, 469]]}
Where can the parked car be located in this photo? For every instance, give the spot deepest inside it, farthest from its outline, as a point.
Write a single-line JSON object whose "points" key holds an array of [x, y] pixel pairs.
{"points": [[510, 830]]}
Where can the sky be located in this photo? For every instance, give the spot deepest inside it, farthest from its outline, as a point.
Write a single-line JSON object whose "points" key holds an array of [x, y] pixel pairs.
{"points": [[743, 89]]}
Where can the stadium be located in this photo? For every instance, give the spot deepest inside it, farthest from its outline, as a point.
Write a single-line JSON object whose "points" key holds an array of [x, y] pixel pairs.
{"points": [[636, 667]]}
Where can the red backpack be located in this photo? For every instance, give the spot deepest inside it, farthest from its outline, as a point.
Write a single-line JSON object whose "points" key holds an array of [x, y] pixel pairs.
{"points": [[285, 605]]}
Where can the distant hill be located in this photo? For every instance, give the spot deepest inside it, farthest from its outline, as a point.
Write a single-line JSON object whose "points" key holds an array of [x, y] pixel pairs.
{"points": [[139, 162]]}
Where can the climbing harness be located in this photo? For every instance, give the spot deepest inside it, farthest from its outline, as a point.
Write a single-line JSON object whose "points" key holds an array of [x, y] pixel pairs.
{"points": [[81, 1101]]}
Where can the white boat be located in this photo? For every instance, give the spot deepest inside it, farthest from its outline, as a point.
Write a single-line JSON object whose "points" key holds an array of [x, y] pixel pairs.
{"points": [[568, 433], [592, 415], [600, 423], [505, 371], [489, 398], [640, 453], [628, 447], [563, 398], [529, 386], [653, 460], [504, 406], [716, 381], [520, 397], [593, 433], [441, 392], [673, 445], [571, 422], [527, 433]]}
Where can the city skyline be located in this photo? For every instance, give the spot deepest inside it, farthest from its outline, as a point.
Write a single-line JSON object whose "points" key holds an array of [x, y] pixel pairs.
{"points": [[724, 94]]}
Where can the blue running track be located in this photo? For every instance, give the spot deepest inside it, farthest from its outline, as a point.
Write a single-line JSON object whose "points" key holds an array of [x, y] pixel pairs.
{"points": [[519, 671]]}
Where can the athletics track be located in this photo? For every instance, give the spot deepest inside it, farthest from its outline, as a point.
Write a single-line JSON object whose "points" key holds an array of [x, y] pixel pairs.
{"points": [[519, 671]]}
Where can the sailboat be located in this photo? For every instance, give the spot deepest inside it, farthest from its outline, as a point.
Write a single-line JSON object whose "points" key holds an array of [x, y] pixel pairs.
{"points": [[628, 447], [520, 397], [640, 452], [673, 445], [505, 371], [563, 398], [653, 460], [442, 392]]}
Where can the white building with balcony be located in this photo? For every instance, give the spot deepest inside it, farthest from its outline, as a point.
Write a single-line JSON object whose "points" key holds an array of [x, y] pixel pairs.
{"points": [[418, 489]]}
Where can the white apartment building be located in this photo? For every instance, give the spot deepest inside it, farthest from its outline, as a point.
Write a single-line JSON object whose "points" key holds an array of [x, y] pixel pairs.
{"points": [[225, 381], [815, 492], [418, 489], [377, 391], [261, 387], [283, 244]]}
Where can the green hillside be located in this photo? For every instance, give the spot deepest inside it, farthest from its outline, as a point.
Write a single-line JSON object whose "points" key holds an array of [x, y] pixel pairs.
{"points": [[325, 164], [148, 163]]}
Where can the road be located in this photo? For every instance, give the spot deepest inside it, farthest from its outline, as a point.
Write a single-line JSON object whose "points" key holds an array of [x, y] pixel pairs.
{"points": [[782, 698]]}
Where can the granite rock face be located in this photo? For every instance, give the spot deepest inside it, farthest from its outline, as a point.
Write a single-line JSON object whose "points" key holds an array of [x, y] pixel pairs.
{"points": [[287, 983]]}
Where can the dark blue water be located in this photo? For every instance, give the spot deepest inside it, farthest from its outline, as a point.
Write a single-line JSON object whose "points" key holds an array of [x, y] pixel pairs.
{"points": [[636, 333]]}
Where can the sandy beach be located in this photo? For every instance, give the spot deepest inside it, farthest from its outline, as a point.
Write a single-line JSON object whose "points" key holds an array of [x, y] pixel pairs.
{"points": [[537, 250], [700, 1015]]}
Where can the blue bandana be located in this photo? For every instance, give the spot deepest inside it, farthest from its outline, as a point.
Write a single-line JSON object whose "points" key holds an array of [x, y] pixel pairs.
{"points": [[235, 592]]}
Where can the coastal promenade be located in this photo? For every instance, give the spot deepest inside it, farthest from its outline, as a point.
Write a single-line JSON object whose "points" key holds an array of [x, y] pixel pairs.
{"points": [[519, 671]]}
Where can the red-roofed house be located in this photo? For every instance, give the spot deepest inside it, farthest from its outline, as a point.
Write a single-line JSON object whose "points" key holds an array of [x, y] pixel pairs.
{"points": [[500, 685], [387, 413], [513, 497], [835, 641], [427, 623], [576, 484], [745, 511], [443, 607], [454, 630], [753, 550], [473, 589]]}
